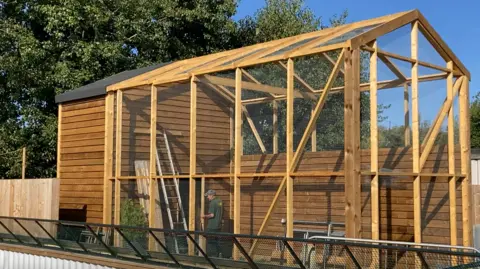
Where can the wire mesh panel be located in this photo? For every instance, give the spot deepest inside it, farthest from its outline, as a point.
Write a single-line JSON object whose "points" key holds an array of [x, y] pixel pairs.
{"points": [[214, 120], [136, 112]]}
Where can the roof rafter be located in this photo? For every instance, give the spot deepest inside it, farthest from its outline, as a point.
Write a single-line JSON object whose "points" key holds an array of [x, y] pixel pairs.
{"points": [[246, 85]]}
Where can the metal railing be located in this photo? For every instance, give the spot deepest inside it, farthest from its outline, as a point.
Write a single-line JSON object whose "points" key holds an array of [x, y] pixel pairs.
{"points": [[216, 250]]}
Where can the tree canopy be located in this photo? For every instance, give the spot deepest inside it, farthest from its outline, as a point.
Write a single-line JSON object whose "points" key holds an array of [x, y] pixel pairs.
{"points": [[475, 121]]}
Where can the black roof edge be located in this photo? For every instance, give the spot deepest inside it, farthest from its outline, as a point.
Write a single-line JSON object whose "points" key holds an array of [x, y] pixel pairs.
{"points": [[99, 88], [74, 95]]}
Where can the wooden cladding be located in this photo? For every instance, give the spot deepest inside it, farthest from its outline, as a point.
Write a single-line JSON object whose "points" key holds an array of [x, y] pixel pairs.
{"points": [[173, 116], [81, 153]]}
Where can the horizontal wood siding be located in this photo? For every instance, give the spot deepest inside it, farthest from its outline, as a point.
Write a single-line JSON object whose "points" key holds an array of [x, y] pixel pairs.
{"points": [[82, 156], [213, 123]]}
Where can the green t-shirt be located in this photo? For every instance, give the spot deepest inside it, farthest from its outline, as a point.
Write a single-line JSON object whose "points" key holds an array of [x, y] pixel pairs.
{"points": [[215, 208]]}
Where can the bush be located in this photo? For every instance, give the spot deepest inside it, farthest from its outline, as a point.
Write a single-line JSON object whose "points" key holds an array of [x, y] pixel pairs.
{"points": [[132, 214]]}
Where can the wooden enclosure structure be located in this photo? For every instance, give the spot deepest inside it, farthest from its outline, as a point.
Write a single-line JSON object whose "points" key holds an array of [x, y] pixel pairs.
{"points": [[200, 103]]}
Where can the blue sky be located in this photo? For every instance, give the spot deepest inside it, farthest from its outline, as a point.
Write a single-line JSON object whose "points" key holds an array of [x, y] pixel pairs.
{"points": [[456, 22]]}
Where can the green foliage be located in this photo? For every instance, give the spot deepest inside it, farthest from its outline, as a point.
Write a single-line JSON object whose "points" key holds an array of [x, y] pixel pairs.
{"points": [[395, 136], [50, 46], [475, 121], [132, 214]]}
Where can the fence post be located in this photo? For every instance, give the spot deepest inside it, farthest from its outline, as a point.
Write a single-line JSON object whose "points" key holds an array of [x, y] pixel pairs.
{"points": [[24, 161]]}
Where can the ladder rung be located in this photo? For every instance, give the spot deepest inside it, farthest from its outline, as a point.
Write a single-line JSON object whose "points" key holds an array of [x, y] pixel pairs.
{"points": [[172, 197]]}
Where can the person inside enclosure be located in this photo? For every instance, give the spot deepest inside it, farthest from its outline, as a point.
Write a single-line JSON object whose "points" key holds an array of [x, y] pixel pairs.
{"points": [[214, 217]]}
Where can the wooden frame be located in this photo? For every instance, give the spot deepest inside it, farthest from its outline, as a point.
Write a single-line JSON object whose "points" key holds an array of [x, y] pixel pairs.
{"points": [[465, 163], [416, 139], [348, 63], [108, 159], [118, 163], [193, 160], [352, 144], [374, 145], [153, 167], [254, 55], [237, 156]]}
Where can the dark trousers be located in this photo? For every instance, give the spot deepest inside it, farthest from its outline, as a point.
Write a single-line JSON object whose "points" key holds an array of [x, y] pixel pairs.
{"points": [[213, 243]]}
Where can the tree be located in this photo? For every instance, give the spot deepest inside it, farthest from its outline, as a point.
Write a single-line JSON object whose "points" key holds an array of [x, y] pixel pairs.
{"points": [[50, 46], [475, 122]]}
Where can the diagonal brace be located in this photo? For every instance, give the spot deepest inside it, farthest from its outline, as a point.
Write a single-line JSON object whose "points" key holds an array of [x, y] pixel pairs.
{"points": [[392, 67], [438, 124], [427, 136]]}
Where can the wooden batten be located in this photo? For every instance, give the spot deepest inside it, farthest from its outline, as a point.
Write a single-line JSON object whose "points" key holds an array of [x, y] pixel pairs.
{"points": [[193, 160], [452, 181], [416, 139], [108, 159], [237, 156], [118, 163], [152, 221]]}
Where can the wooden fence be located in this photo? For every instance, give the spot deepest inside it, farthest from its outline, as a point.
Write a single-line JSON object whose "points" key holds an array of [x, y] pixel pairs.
{"points": [[30, 198]]}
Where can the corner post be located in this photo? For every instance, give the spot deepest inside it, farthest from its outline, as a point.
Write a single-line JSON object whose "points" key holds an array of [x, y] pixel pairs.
{"points": [[464, 106], [193, 160], [352, 144], [108, 159], [417, 210], [237, 156], [289, 148]]}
